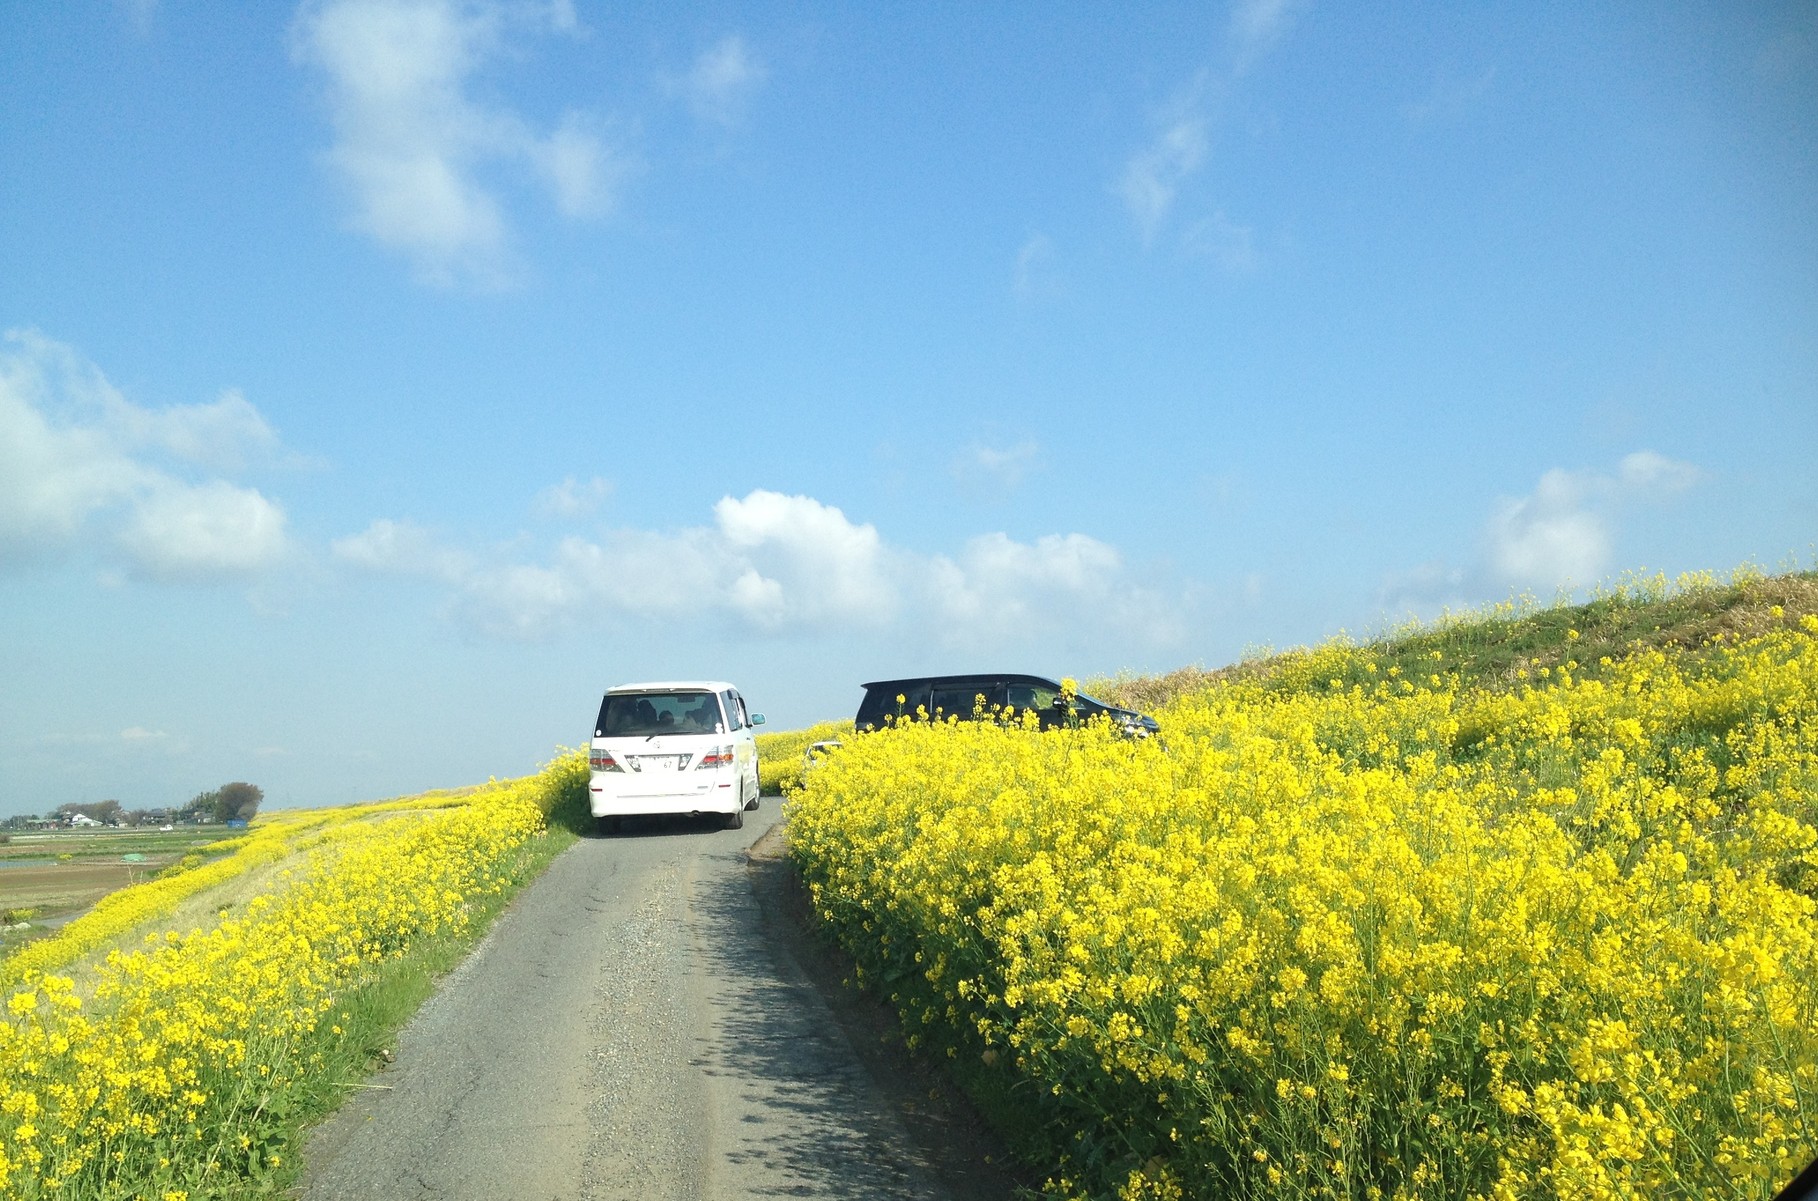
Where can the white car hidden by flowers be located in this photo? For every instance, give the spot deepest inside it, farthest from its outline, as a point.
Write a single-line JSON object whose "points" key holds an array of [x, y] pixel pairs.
{"points": [[680, 747]]}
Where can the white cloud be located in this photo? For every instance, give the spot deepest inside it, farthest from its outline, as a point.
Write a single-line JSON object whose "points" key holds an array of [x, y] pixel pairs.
{"points": [[1428, 591], [412, 144], [777, 563], [400, 547], [648, 574], [999, 470], [1231, 246], [222, 436], [1256, 25], [826, 568], [1563, 532], [1552, 535], [1002, 590], [1036, 275], [996, 579], [573, 498], [137, 740], [760, 599], [1655, 474], [200, 532], [76, 455], [53, 475], [1154, 174], [580, 172], [522, 600], [722, 79]]}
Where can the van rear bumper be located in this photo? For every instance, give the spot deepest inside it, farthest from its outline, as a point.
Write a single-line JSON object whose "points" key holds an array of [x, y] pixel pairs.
{"points": [[720, 798]]}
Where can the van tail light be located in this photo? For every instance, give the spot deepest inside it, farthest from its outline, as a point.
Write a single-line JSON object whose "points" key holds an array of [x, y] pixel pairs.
{"points": [[602, 760], [719, 756]]}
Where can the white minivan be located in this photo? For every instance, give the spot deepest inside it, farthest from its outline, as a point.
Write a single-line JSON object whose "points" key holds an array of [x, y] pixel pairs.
{"points": [[677, 747]]}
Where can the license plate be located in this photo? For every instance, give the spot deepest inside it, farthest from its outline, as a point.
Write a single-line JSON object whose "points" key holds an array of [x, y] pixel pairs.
{"points": [[659, 762]]}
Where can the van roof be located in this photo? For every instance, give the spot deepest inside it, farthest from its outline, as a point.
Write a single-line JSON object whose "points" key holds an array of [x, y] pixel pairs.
{"points": [[674, 686], [1004, 676]]}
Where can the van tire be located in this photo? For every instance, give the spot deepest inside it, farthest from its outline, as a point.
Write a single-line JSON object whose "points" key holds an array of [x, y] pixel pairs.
{"points": [[735, 820], [606, 825]]}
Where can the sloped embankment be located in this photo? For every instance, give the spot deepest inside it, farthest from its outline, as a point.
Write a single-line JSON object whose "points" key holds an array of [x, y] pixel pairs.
{"points": [[181, 1067], [1460, 913]]}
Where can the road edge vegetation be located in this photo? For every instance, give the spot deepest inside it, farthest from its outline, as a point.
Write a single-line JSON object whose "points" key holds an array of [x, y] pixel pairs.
{"points": [[187, 1066]]}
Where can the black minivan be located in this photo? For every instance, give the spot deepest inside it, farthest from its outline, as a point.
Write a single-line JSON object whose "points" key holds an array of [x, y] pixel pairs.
{"points": [[958, 696]]}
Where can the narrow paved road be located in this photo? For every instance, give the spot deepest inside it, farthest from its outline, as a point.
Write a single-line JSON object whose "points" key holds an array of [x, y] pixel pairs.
{"points": [[637, 1026]]}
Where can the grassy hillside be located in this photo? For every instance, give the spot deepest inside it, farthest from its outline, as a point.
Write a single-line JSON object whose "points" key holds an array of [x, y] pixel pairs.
{"points": [[1517, 905], [1503, 646]]}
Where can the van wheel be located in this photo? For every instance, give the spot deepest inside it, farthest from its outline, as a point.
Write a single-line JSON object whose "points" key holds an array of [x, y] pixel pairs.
{"points": [[735, 820], [606, 825], [756, 795]]}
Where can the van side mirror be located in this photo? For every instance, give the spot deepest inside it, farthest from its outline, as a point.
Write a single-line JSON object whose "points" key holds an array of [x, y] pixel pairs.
{"points": [[757, 719]]}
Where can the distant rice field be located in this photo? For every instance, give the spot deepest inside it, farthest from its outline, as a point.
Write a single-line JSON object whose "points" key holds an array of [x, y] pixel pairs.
{"points": [[48, 878]]}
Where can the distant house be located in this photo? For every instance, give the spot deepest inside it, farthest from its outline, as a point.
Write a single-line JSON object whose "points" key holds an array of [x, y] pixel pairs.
{"points": [[82, 819]]}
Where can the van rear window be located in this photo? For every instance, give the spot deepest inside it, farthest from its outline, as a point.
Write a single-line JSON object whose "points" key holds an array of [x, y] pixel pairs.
{"points": [[880, 703], [641, 714], [965, 701]]}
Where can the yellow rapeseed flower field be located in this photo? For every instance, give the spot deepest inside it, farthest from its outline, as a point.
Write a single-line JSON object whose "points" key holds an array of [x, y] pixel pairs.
{"points": [[1357, 931], [172, 1075], [780, 754]]}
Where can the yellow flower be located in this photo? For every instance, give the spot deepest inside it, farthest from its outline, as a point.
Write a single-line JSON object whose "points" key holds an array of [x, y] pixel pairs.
{"points": [[1331, 905]]}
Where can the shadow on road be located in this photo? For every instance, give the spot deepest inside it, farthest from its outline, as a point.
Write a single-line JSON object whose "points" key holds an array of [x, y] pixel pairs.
{"points": [[835, 1106]]}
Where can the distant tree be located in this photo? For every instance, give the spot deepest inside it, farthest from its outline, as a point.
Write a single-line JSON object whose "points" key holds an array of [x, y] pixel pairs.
{"points": [[101, 811], [138, 817], [201, 807], [237, 801]]}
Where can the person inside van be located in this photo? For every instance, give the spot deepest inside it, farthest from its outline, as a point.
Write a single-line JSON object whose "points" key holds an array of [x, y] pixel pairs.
{"points": [[704, 718]]}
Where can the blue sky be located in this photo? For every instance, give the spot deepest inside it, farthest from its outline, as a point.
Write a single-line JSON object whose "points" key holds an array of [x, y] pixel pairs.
{"points": [[383, 380]]}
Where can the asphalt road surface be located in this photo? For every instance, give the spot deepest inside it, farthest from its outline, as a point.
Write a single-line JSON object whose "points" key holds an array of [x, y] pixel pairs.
{"points": [[648, 1020]]}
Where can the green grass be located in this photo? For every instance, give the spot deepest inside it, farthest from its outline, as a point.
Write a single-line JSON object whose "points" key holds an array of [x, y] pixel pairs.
{"points": [[1494, 647], [371, 1015], [1640, 615]]}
